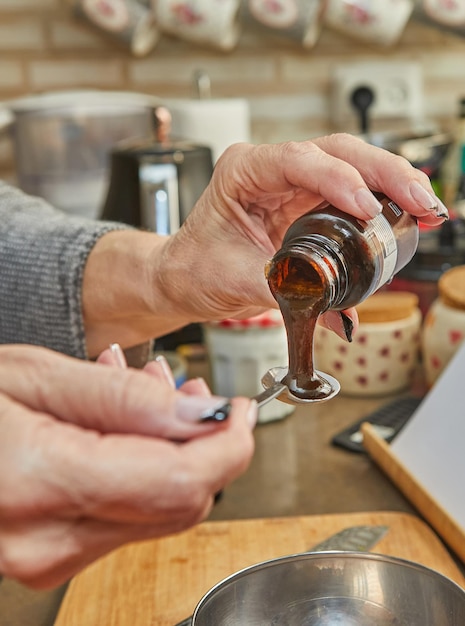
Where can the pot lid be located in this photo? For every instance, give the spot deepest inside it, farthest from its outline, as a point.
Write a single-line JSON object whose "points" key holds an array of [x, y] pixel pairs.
{"points": [[79, 99]]}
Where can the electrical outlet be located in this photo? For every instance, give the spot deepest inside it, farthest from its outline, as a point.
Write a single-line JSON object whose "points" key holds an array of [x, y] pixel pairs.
{"points": [[397, 91]]}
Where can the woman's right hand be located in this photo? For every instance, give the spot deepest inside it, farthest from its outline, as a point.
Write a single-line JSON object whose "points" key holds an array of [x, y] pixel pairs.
{"points": [[92, 457]]}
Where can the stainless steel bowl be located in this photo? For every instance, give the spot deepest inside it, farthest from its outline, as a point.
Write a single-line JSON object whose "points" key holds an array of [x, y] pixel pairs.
{"points": [[333, 589]]}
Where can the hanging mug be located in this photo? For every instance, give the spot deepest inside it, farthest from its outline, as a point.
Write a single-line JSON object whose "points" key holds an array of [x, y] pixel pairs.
{"points": [[448, 15], [380, 23], [296, 20]]}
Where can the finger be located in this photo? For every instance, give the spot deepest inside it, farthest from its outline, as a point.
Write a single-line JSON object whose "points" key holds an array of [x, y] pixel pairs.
{"points": [[196, 386], [298, 174], [46, 553], [53, 468], [389, 173], [342, 169], [344, 324], [104, 398], [114, 356], [159, 368]]}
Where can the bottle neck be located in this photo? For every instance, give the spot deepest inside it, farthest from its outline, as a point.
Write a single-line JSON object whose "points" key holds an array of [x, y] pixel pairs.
{"points": [[327, 262]]}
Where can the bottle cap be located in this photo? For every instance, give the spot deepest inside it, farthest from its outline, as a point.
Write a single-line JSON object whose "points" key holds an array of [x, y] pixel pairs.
{"points": [[387, 306], [451, 287]]}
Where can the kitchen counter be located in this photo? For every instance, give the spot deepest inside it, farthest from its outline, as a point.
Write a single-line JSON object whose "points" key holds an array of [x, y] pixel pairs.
{"points": [[295, 471]]}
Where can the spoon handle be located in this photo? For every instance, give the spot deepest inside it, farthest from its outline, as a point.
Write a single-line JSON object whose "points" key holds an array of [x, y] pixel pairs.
{"points": [[269, 394]]}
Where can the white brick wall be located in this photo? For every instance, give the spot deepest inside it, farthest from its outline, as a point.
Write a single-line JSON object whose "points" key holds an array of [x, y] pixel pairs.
{"points": [[42, 47], [21, 34], [11, 75], [65, 73]]}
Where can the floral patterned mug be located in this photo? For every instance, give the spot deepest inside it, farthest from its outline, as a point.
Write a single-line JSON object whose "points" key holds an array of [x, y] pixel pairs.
{"points": [[210, 22], [448, 15], [296, 20], [380, 22]]}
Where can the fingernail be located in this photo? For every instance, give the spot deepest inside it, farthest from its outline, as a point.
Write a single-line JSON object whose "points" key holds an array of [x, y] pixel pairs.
{"points": [[166, 369], [117, 352], [252, 414], [442, 210], [367, 202], [427, 200], [202, 409], [348, 326], [219, 414], [201, 381], [218, 496]]}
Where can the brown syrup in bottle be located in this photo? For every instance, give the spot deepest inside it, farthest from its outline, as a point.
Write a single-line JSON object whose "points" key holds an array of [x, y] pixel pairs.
{"points": [[331, 260]]}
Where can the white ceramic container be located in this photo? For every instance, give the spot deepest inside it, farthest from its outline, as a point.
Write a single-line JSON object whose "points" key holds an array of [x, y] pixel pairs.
{"points": [[382, 357], [241, 352], [444, 325]]}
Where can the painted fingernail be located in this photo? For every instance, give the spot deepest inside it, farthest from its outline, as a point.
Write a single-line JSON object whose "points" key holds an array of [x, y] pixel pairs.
{"points": [[218, 496], [118, 354], [348, 326], [367, 202], [166, 369], [219, 414], [427, 200], [202, 409], [201, 382], [442, 211]]}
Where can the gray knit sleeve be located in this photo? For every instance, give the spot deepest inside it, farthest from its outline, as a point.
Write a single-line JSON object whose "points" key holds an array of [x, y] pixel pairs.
{"points": [[43, 252]]}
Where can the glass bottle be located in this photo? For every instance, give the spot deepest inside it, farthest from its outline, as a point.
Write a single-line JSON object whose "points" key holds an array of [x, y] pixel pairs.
{"points": [[332, 260]]}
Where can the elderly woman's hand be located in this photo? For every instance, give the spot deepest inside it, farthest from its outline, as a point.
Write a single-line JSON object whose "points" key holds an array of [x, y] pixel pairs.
{"points": [[92, 457], [256, 193], [140, 285]]}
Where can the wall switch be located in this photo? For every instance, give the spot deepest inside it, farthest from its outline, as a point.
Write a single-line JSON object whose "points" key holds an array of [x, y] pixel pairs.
{"points": [[397, 92]]}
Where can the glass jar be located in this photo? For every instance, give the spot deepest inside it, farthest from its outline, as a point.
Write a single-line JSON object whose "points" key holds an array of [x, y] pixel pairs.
{"points": [[241, 351]]}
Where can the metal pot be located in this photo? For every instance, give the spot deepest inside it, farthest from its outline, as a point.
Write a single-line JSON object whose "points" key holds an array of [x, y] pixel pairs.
{"points": [[349, 588], [62, 141]]}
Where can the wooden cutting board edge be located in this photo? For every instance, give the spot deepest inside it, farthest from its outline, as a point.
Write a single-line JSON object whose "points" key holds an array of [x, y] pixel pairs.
{"points": [[159, 582]]}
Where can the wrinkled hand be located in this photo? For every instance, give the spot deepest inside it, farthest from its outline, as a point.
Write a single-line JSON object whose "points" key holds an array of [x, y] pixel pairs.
{"points": [[93, 456], [255, 194]]}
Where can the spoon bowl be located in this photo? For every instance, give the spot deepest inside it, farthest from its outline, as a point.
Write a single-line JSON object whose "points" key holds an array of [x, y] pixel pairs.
{"points": [[275, 375]]}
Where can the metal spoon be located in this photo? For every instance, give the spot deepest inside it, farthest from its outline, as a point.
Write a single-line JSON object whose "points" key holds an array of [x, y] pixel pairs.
{"points": [[274, 388]]}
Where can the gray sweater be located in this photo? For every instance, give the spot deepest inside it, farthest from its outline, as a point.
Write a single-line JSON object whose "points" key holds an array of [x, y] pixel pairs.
{"points": [[42, 256]]}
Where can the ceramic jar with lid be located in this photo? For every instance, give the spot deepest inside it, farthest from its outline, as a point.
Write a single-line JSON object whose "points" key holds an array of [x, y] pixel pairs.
{"points": [[384, 353], [242, 351], [444, 325]]}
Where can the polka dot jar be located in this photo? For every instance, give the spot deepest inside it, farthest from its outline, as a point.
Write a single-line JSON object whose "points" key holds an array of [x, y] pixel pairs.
{"points": [[444, 325], [242, 351], [384, 353]]}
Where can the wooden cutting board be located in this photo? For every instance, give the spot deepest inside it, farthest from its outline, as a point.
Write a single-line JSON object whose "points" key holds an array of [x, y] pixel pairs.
{"points": [[159, 582]]}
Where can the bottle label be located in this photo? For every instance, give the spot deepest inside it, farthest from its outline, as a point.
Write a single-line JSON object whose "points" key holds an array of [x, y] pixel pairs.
{"points": [[379, 228]]}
